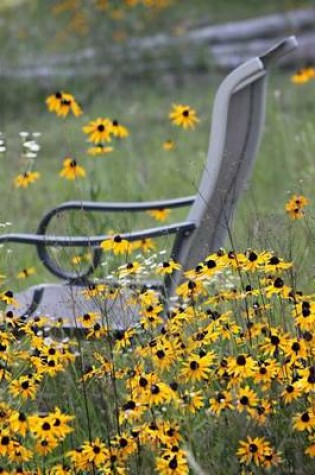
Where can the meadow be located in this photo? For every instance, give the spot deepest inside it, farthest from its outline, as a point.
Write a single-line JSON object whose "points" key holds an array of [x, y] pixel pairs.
{"points": [[225, 383]]}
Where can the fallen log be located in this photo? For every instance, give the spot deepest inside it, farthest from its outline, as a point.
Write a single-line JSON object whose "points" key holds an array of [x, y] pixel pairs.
{"points": [[267, 26], [222, 46]]}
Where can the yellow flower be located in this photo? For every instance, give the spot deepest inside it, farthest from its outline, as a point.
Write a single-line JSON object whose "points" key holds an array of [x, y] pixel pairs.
{"points": [[26, 273], [159, 214], [146, 245], [253, 450], [183, 116], [132, 268], [304, 421], [167, 267], [116, 244], [25, 179], [99, 130], [295, 206], [62, 104], [71, 170], [119, 130], [303, 75], [168, 145], [99, 149]]}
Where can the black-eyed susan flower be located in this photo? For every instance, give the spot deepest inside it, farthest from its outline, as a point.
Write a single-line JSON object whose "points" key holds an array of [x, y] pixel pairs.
{"points": [[45, 446], [306, 382], [8, 298], [25, 273], [303, 75], [25, 179], [167, 267], [304, 420], [62, 104], [146, 245], [95, 452], [72, 170], [18, 422], [159, 214], [118, 130], [88, 319], [246, 400], [97, 331], [183, 116], [99, 130], [99, 149], [172, 465], [116, 244], [241, 366], [255, 260], [295, 206], [275, 265], [310, 450], [290, 393], [253, 450], [131, 269], [168, 145], [197, 368], [223, 400], [25, 387]]}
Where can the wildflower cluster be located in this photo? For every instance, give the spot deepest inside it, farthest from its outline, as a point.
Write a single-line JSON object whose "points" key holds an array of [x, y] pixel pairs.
{"points": [[101, 131], [232, 355], [62, 104]]}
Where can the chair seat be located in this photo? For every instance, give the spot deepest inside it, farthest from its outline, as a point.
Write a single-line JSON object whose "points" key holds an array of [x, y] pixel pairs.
{"points": [[70, 302]]}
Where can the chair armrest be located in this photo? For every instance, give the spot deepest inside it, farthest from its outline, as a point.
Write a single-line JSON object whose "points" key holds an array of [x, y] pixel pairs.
{"points": [[41, 241]]}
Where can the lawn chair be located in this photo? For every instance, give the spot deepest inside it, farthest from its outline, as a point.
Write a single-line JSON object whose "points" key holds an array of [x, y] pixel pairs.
{"points": [[237, 123]]}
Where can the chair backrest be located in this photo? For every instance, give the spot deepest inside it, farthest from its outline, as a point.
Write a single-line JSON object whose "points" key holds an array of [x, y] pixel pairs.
{"points": [[237, 123]]}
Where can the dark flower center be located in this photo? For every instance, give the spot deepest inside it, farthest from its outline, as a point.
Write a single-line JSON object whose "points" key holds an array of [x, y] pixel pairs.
{"points": [[143, 382], [253, 448], [252, 256], [155, 389], [123, 442], [129, 406], [22, 417], [211, 264], [305, 417], [241, 360], [278, 283], [274, 260], [194, 365], [186, 113], [296, 346], [160, 354], [101, 128], [275, 340], [244, 400], [173, 463]]}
